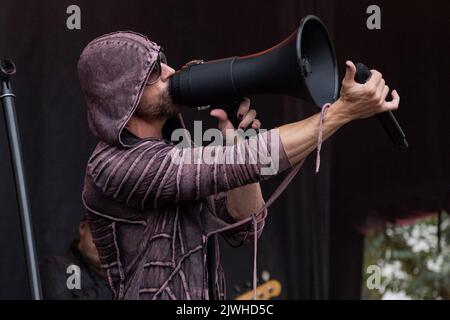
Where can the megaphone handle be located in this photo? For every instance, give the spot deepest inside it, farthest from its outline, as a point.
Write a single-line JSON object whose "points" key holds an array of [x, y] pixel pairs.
{"points": [[387, 119]]}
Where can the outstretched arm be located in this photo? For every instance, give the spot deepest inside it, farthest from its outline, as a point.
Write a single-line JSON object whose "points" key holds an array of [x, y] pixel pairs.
{"points": [[299, 139], [357, 101]]}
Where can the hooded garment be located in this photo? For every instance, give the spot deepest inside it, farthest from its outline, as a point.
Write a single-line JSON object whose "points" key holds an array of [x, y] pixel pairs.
{"points": [[152, 217]]}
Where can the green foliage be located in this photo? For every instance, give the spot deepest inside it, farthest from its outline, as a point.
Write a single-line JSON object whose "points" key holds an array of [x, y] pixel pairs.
{"points": [[409, 260]]}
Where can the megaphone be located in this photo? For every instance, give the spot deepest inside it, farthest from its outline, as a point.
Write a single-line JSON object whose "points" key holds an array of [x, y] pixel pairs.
{"points": [[302, 66]]}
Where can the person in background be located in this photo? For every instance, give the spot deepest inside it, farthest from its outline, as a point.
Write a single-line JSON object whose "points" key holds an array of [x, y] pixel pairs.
{"points": [[58, 272]]}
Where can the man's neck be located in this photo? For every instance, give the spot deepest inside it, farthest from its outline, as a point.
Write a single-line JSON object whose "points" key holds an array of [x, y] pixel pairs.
{"points": [[146, 128]]}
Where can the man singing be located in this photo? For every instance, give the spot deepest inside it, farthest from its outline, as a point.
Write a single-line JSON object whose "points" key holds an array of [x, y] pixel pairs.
{"points": [[155, 220]]}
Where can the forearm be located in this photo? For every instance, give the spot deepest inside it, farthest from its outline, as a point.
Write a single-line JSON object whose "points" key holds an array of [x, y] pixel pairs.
{"points": [[299, 139], [243, 201]]}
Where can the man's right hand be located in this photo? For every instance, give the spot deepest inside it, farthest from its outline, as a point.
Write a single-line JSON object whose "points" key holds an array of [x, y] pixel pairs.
{"points": [[364, 100], [357, 101]]}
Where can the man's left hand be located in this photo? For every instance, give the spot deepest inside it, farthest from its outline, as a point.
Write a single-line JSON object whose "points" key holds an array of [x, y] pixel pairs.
{"points": [[244, 113]]}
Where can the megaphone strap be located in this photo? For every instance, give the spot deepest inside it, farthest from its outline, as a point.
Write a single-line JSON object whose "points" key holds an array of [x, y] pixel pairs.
{"points": [[281, 187], [320, 135]]}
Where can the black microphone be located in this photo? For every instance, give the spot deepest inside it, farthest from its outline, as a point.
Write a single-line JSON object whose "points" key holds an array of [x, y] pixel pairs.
{"points": [[387, 119]]}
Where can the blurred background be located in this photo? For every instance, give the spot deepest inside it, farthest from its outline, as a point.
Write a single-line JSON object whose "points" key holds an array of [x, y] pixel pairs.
{"points": [[370, 205]]}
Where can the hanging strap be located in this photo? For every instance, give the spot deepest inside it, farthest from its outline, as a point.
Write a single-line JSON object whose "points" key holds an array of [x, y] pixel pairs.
{"points": [[320, 135], [281, 187]]}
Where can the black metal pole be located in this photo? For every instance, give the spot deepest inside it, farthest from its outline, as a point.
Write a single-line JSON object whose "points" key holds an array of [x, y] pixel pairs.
{"points": [[7, 69]]}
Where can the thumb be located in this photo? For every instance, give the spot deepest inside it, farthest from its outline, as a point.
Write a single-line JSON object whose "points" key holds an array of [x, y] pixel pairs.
{"points": [[222, 116], [350, 71]]}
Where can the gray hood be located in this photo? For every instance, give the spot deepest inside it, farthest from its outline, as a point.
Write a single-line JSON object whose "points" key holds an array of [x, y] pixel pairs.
{"points": [[113, 70]]}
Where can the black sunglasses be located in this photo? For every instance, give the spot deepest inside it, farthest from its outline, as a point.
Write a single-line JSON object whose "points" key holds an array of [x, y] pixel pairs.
{"points": [[155, 75]]}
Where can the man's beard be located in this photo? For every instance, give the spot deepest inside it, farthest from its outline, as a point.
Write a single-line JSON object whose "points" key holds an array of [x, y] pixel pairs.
{"points": [[165, 108]]}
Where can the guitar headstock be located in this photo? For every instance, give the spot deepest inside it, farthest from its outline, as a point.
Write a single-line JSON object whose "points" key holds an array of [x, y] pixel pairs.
{"points": [[266, 291]]}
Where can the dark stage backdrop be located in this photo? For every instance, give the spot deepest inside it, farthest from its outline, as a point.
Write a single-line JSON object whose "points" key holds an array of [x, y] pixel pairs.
{"points": [[310, 243]]}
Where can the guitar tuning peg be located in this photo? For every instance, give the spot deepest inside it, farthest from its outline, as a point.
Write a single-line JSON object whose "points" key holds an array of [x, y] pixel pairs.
{"points": [[247, 284], [265, 275]]}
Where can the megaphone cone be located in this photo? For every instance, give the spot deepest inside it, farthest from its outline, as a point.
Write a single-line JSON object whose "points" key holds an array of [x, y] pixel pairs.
{"points": [[303, 66]]}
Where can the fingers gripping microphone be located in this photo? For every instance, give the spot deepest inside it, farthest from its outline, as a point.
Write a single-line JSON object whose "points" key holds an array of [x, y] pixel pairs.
{"points": [[387, 119], [302, 66]]}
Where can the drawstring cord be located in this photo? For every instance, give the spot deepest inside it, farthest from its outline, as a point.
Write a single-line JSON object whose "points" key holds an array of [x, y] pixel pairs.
{"points": [[255, 248], [320, 136], [282, 186]]}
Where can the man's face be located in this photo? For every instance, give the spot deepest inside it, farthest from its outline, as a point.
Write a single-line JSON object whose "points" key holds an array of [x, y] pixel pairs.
{"points": [[156, 101]]}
